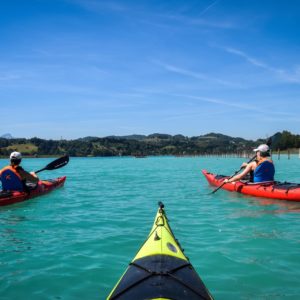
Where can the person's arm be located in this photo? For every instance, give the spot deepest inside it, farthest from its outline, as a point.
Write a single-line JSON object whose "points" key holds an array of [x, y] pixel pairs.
{"points": [[238, 177], [31, 177], [244, 165]]}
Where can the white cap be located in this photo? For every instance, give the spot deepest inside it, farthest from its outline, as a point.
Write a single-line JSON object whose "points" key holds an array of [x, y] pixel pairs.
{"points": [[262, 148], [15, 155]]}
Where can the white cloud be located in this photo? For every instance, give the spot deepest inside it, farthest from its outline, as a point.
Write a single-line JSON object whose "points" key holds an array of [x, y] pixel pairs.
{"points": [[285, 75], [192, 74], [251, 60]]}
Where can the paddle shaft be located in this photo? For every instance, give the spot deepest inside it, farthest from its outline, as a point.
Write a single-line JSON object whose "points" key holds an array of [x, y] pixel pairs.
{"points": [[40, 170], [233, 175]]}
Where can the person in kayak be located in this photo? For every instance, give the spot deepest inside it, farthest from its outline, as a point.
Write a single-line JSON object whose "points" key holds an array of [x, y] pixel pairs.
{"points": [[14, 177], [261, 169]]}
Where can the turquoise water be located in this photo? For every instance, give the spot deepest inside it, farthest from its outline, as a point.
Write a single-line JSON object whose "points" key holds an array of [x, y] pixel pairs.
{"points": [[77, 241]]}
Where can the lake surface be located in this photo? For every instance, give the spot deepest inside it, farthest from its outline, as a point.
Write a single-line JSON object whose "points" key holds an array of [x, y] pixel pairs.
{"points": [[76, 242]]}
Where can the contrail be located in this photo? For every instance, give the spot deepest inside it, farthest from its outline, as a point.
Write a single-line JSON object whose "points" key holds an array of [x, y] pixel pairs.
{"points": [[208, 7]]}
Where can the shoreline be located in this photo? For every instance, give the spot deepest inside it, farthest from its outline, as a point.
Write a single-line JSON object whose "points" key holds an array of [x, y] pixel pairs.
{"points": [[221, 155]]}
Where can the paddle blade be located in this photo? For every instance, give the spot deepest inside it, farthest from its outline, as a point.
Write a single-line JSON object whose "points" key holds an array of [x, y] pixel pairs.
{"points": [[56, 164]]}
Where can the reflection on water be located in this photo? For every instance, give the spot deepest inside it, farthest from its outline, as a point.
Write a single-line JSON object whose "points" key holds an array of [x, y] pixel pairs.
{"points": [[283, 206], [272, 206]]}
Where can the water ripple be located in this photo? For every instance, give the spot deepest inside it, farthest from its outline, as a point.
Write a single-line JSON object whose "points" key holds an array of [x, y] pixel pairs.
{"points": [[77, 241]]}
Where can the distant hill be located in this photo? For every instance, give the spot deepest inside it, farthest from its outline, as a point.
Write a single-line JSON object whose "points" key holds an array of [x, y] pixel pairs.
{"points": [[6, 136], [143, 145], [137, 137], [87, 138], [140, 137]]}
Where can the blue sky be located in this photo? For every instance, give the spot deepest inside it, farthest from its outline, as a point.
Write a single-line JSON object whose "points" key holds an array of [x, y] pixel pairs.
{"points": [[75, 68]]}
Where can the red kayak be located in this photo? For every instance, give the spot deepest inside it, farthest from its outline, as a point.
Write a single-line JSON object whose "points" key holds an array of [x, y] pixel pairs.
{"points": [[43, 187], [275, 190]]}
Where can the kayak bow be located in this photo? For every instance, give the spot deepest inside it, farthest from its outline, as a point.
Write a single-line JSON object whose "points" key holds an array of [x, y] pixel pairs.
{"points": [[160, 270]]}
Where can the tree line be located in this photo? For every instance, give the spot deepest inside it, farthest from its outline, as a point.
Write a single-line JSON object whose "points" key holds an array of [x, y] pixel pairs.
{"points": [[142, 145]]}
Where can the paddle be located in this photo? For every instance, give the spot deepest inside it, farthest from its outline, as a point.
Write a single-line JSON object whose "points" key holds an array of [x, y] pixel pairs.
{"points": [[56, 164], [269, 142]]}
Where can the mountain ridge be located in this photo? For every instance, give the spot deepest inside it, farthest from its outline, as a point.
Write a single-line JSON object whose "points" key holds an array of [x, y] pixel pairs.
{"points": [[143, 145]]}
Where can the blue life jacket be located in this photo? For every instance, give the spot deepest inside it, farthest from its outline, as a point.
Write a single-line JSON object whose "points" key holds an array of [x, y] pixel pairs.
{"points": [[11, 180], [264, 172]]}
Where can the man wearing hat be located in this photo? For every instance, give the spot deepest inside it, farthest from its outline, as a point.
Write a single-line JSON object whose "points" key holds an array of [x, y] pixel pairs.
{"points": [[14, 177], [262, 167]]}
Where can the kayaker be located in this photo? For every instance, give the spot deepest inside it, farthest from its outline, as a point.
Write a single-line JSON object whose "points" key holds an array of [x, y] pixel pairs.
{"points": [[14, 177], [262, 167]]}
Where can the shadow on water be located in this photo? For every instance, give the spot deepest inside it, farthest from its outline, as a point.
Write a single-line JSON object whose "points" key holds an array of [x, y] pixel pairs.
{"points": [[10, 233], [12, 242], [13, 219], [11, 238]]}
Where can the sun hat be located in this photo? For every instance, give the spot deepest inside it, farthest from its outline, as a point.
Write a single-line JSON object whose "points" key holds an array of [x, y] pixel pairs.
{"points": [[262, 148], [15, 155]]}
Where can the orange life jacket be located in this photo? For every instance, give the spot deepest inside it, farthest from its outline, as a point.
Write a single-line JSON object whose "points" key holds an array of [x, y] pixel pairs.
{"points": [[11, 179]]}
